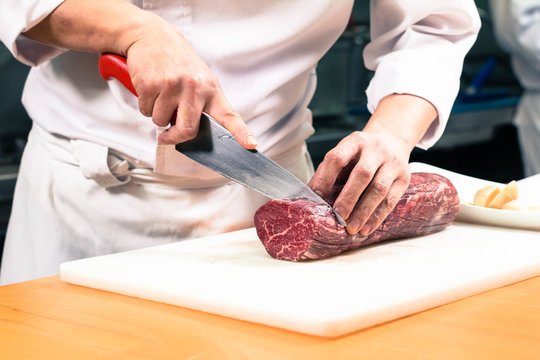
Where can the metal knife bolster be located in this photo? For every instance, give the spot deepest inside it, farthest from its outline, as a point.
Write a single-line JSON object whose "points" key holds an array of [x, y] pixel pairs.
{"points": [[216, 148]]}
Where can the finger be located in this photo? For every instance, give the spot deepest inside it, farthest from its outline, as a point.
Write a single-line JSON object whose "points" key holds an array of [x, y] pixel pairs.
{"points": [[331, 167], [358, 181], [167, 102], [146, 103], [147, 95], [147, 90], [222, 111], [382, 211], [368, 160], [377, 192], [186, 125]]}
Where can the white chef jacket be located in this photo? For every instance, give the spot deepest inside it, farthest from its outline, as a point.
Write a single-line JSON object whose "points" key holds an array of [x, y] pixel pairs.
{"points": [[517, 29], [263, 53]]}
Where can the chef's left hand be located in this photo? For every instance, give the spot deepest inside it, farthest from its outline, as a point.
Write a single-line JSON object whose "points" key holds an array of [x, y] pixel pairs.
{"points": [[374, 163]]}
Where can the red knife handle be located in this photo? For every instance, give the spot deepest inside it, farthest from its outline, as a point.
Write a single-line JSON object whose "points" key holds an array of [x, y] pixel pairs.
{"points": [[115, 66]]}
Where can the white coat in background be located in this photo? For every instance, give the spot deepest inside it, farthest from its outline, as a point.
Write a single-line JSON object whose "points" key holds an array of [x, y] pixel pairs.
{"points": [[94, 180], [517, 29]]}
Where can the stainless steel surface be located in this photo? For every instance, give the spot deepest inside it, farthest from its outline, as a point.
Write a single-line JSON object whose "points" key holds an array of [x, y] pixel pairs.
{"points": [[216, 148]]}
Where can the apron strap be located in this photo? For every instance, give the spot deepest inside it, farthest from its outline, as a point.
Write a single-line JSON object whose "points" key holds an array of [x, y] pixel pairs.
{"points": [[95, 162]]}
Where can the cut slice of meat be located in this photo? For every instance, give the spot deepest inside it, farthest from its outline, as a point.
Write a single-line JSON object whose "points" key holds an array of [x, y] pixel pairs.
{"points": [[299, 229]]}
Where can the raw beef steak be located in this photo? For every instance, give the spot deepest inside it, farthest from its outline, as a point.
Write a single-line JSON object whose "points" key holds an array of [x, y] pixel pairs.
{"points": [[299, 229]]}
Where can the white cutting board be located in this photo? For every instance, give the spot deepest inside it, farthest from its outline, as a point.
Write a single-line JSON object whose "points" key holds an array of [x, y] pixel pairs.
{"points": [[232, 275]]}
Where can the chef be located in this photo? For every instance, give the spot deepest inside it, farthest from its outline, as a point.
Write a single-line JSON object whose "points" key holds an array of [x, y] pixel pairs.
{"points": [[100, 174], [517, 29]]}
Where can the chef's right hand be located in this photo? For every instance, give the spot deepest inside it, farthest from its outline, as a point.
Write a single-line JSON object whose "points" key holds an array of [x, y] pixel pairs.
{"points": [[169, 75]]}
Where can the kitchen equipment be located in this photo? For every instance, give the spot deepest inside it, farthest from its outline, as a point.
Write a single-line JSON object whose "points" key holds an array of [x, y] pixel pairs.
{"points": [[232, 275], [216, 148]]}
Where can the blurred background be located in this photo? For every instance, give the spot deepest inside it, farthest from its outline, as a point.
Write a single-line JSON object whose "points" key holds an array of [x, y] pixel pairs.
{"points": [[480, 139]]}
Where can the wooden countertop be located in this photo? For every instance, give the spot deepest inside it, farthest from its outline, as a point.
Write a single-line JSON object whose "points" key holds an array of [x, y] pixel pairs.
{"points": [[49, 319]]}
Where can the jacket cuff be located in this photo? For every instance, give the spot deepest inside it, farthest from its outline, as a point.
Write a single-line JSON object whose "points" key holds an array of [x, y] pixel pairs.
{"points": [[397, 74]]}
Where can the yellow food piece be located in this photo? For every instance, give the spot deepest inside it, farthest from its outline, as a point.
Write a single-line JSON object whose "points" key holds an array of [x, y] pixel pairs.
{"points": [[505, 198], [485, 195], [507, 194]]}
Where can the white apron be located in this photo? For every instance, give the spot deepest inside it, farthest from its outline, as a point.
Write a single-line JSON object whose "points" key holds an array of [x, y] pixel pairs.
{"points": [[527, 120], [76, 199]]}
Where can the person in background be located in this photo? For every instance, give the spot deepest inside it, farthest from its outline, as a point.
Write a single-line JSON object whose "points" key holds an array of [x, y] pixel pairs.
{"points": [[100, 174], [517, 30]]}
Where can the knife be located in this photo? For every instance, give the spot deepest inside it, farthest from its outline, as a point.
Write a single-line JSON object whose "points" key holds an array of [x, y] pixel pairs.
{"points": [[217, 149]]}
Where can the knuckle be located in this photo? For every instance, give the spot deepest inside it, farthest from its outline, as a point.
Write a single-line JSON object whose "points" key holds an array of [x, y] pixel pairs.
{"points": [[213, 83], [380, 189], [335, 156], [171, 81], [356, 135], [189, 131], [229, 117], [194, 82], [160, 120], [360, 138], [231, 114], [146, 112], [215, 87], [362, 171], [145, 86], [145, 108], [390, 202], [203, 83], [331, 156]]}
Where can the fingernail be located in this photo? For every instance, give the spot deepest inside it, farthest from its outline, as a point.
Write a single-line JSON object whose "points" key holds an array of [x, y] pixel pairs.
{"points": [[320, 193], [353, 226], [365, 230], [250, 140]]}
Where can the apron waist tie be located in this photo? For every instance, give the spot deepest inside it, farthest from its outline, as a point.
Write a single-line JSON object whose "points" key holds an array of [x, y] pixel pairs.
{"points": [[97, 163], [109, 168]]}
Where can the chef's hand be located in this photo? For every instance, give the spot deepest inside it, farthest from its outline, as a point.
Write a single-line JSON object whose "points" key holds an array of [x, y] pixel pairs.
{"points": [[373, 163], [165, 70], [169, 75]]}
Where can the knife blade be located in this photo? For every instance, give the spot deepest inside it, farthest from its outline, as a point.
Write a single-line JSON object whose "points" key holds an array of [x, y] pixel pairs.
{"points": [[217, 149]]}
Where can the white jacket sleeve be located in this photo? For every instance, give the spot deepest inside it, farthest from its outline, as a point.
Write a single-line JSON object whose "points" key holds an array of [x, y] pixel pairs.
{"points": [[417, 47], [18, 16]]}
